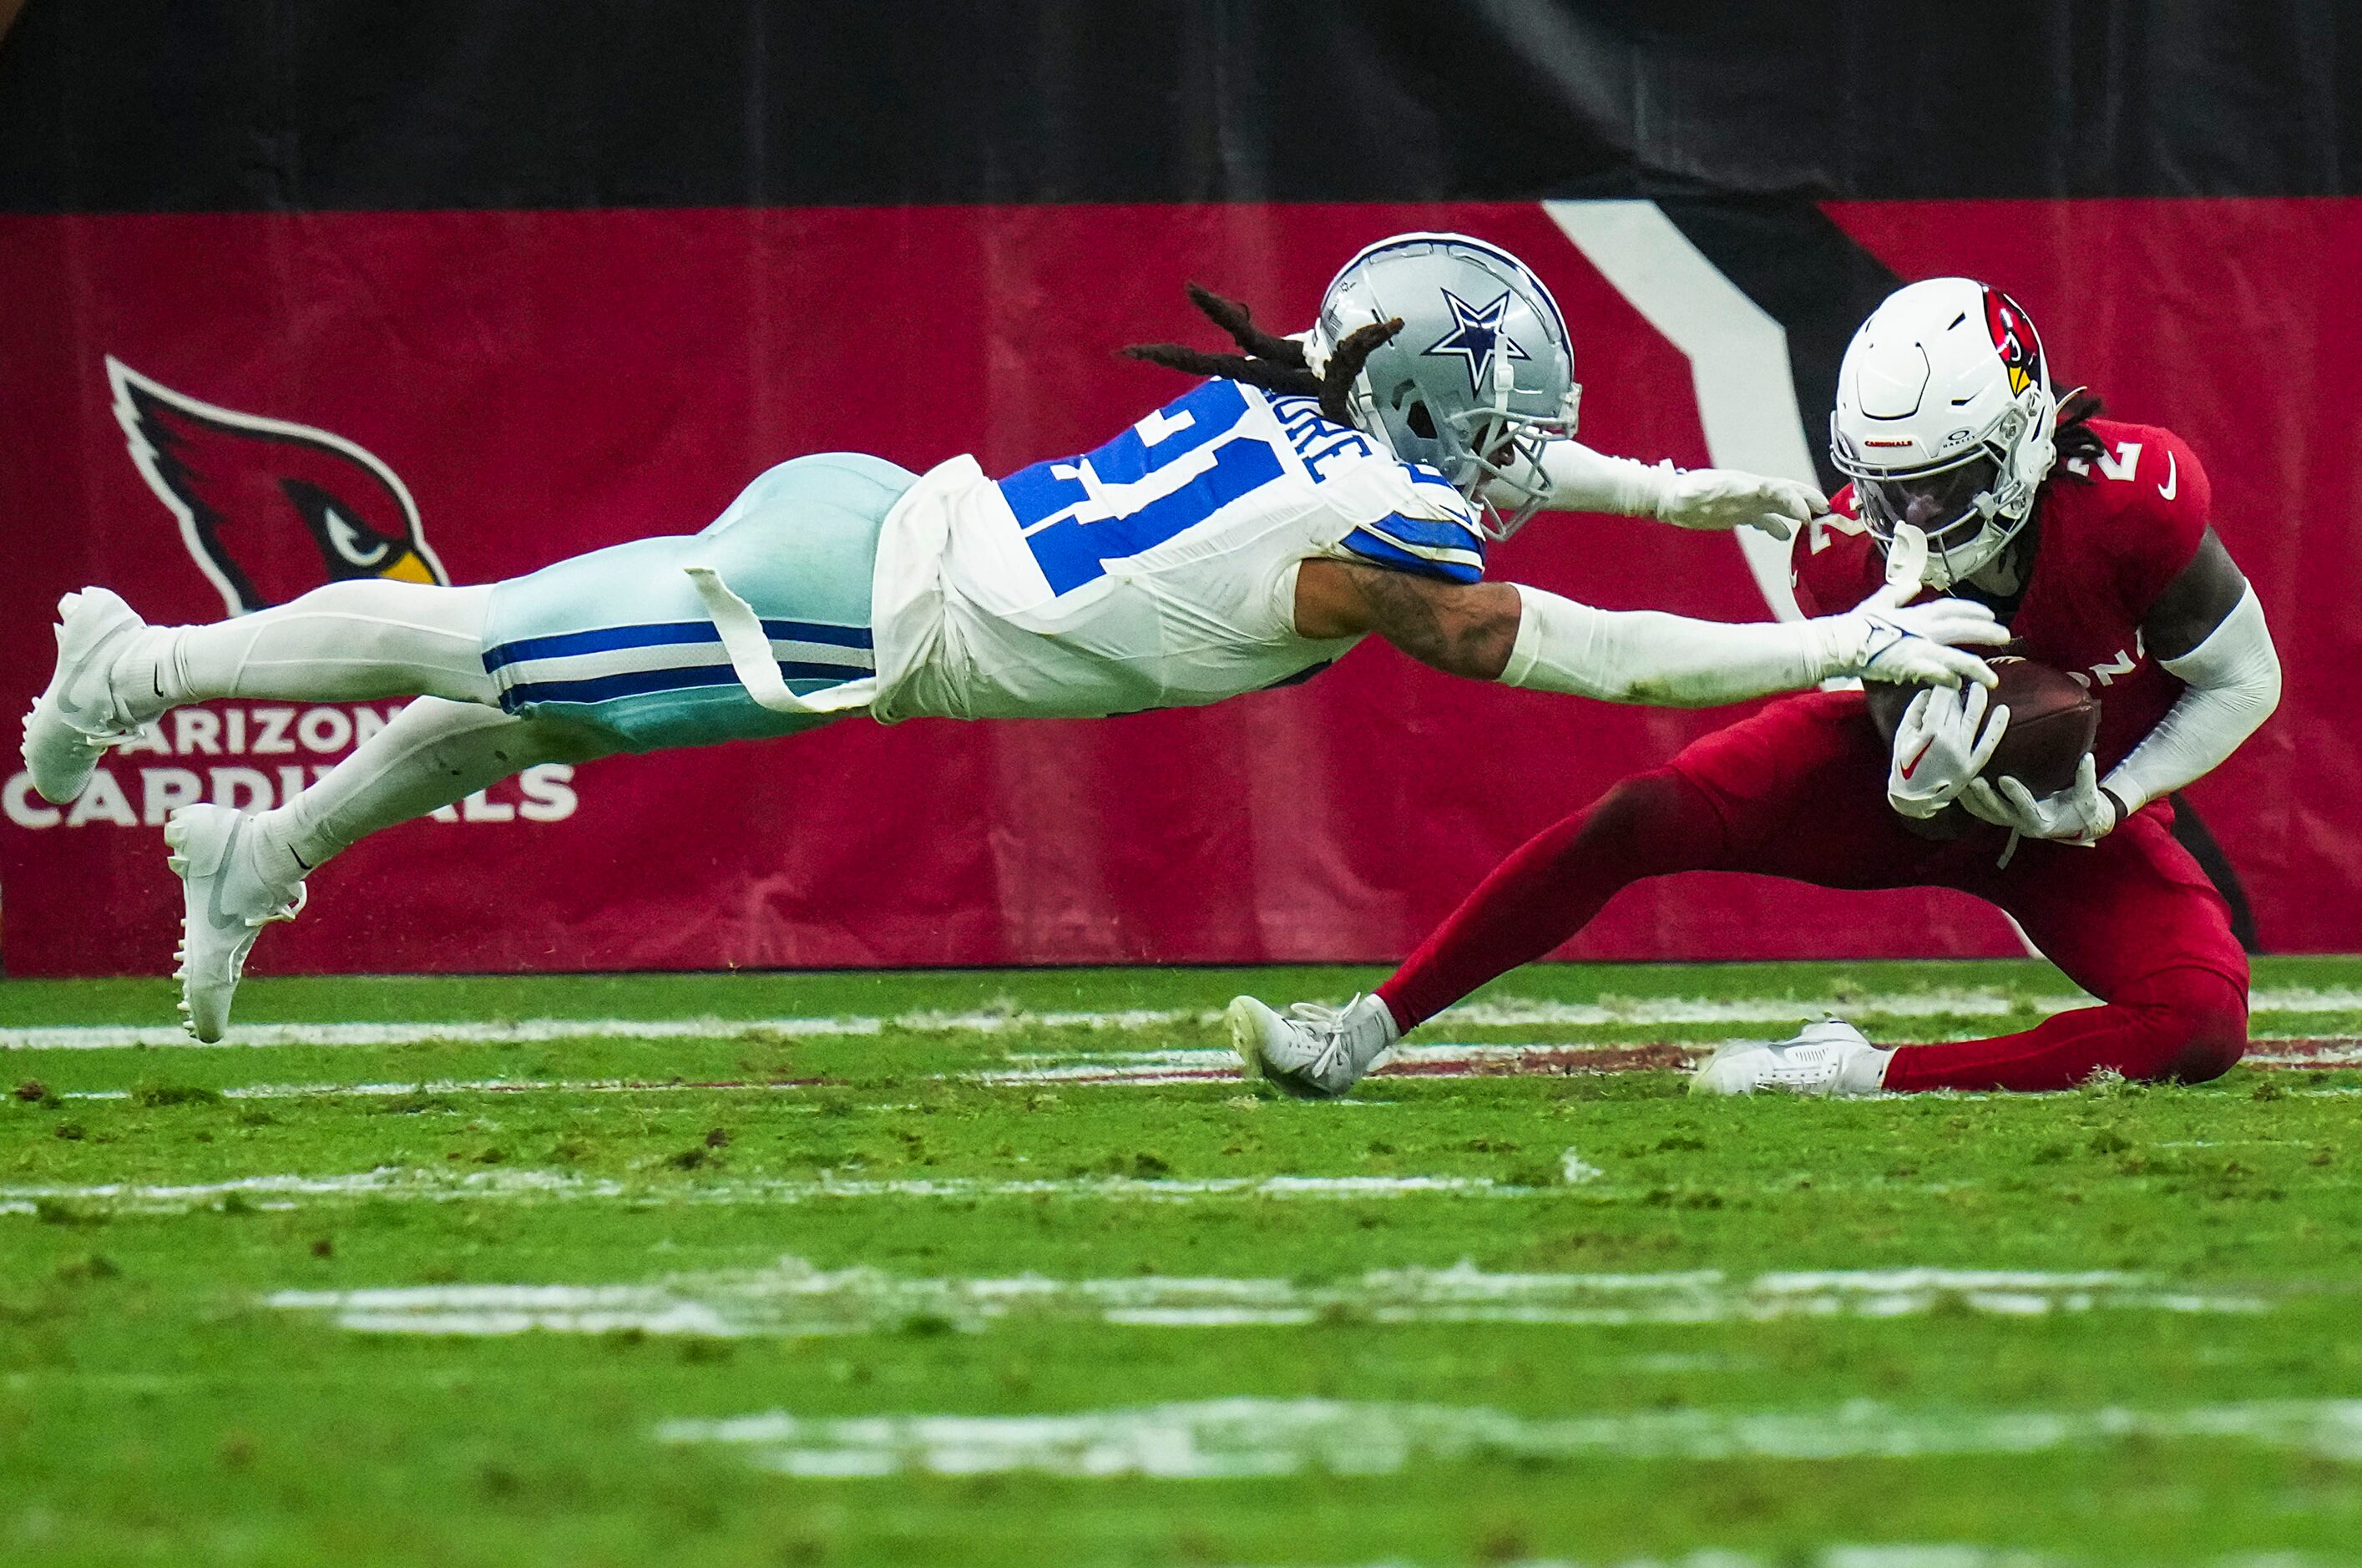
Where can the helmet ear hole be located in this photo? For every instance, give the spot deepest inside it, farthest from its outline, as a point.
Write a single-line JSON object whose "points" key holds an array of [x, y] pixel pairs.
{"points": [[1422, 424]]}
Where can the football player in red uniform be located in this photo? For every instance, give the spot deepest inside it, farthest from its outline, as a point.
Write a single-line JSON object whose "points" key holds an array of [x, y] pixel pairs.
{"points": [[2090, 538]]}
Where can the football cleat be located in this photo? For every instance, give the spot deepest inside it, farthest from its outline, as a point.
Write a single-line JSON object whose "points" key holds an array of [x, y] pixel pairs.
{"points": [[1311, 1052], [76, 719], [226, 902], [1831, 1057]]}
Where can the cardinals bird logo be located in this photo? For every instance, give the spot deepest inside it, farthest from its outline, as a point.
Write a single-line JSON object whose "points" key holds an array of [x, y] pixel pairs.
{"points": [[2013, 339], [269, 510]]}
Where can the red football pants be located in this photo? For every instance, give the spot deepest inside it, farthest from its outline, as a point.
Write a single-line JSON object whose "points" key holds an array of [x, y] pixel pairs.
{"points": [[1798, 790]]}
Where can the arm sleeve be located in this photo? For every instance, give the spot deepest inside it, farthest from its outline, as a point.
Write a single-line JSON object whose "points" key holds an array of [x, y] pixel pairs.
{"points": [[1664, 661], [2234, 684], [1583, 481]]}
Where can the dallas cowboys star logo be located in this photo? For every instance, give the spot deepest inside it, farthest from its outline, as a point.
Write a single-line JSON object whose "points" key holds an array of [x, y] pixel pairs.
{"points": [[1473, 335]]}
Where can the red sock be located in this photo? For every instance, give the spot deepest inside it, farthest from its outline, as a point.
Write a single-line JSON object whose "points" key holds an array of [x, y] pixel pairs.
{"points": [[1649, 825], [2187, 1024]]}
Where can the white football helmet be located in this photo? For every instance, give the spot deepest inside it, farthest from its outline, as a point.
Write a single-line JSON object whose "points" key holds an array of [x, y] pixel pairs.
{"points": [[1944, 420], [1480, 379]]}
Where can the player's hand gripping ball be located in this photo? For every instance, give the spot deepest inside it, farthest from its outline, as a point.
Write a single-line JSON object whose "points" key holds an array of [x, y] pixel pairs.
{"points": [[2052, 724], [1943, 741], [2042, 781]]}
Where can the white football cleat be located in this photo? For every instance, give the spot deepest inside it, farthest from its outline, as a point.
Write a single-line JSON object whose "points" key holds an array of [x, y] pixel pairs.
{"points": [[226, 902], [1312, 1052], [1831, 1057], [76, 719]]}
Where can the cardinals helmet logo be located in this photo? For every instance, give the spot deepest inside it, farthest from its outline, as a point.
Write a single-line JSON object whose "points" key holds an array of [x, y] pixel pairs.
{"points": [[269, 510], [2015, 340]]}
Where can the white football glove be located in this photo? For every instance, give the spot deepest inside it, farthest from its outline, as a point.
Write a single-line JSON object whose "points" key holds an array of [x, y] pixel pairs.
{"points": [[2082, 814], [1938, 750], [1717, 499], [1887, 638]]}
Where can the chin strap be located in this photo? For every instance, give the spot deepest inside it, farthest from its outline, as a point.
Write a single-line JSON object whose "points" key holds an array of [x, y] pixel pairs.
{"points": [[751, 659]]}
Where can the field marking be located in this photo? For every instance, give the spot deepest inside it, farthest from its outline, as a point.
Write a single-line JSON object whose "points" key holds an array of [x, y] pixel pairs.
{"points": [[290, 1191], [1219, 1438], [1910, 1555], [1155, 1069], [1149, 1069], [794, 1299], [1642, 1011], [479, 1086]]}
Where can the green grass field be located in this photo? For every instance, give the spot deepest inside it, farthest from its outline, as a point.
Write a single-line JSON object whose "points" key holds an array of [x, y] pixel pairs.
{"points": [[992, 1268]]}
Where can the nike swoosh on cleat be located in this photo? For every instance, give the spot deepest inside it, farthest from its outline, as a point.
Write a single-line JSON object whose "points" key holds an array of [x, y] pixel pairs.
{"points": [[1913, 765], [2172, 478]]}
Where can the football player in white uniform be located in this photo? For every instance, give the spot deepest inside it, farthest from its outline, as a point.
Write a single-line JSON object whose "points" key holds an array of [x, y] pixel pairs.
{"points": [[1312, 492]]}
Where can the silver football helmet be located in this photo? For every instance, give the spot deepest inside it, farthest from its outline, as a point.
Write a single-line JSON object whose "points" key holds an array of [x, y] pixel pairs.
{"points": [[1480, 378]]}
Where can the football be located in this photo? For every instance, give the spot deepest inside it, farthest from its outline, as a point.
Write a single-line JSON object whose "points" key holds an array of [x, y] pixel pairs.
{"points": [[2052, 722]]}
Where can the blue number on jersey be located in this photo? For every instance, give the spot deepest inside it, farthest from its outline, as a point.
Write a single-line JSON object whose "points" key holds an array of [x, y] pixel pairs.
{"points": [[1183, 442]]}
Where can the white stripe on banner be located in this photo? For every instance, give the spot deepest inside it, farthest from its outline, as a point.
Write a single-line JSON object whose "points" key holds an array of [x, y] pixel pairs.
{"points": [[1738, 353]]}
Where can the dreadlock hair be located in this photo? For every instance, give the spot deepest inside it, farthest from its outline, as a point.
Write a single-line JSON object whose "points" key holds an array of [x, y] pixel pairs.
{"points": [[1265, 360], [2075, 435]]}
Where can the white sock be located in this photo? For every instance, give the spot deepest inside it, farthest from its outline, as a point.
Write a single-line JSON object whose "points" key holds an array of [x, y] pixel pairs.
{"points": [[435, 752], [345, 642]]}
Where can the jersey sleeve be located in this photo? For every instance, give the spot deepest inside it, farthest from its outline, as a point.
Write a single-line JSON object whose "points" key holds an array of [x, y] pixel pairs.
{"points": [[2157, 532], [1438, 535], [1832, 565]]}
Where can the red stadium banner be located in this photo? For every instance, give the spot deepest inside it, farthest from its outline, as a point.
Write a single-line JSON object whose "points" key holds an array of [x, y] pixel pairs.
{"points": [[470, 395]]}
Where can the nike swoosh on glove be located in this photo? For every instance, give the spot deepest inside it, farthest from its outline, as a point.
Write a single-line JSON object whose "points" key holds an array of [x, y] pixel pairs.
{"points": [[1939, 750], [1717, 499]]}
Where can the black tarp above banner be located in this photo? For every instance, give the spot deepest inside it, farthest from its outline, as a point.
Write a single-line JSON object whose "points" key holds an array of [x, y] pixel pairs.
{"points": [[169, 104]]}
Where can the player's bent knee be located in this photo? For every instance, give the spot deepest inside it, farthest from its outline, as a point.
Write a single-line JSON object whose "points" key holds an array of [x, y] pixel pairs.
{"points": [[2204, 1026]]}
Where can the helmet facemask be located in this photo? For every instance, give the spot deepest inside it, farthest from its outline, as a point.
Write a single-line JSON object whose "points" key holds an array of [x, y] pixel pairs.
{"points": [[1968, 506], [1479, 449]]}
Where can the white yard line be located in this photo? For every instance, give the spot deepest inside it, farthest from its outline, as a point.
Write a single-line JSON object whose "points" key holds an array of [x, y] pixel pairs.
{"points": [[1249, 1437], [471, 1032], [278, 1192], [1641, 1011], [468, 1086], [1134, 1069], [1911, 1555], [795, 1299]]}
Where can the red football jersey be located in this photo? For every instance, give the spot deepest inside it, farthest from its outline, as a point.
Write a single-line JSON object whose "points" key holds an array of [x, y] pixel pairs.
{"points": [[2106, 550]]}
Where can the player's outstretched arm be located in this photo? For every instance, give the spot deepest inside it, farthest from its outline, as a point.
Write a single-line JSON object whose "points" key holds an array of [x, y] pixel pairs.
{"points": [[1525, 636], [1581, 479]]}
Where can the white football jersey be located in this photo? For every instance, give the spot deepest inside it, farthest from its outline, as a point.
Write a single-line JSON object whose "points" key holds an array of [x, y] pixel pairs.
{"points": [[1157, 572]]}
